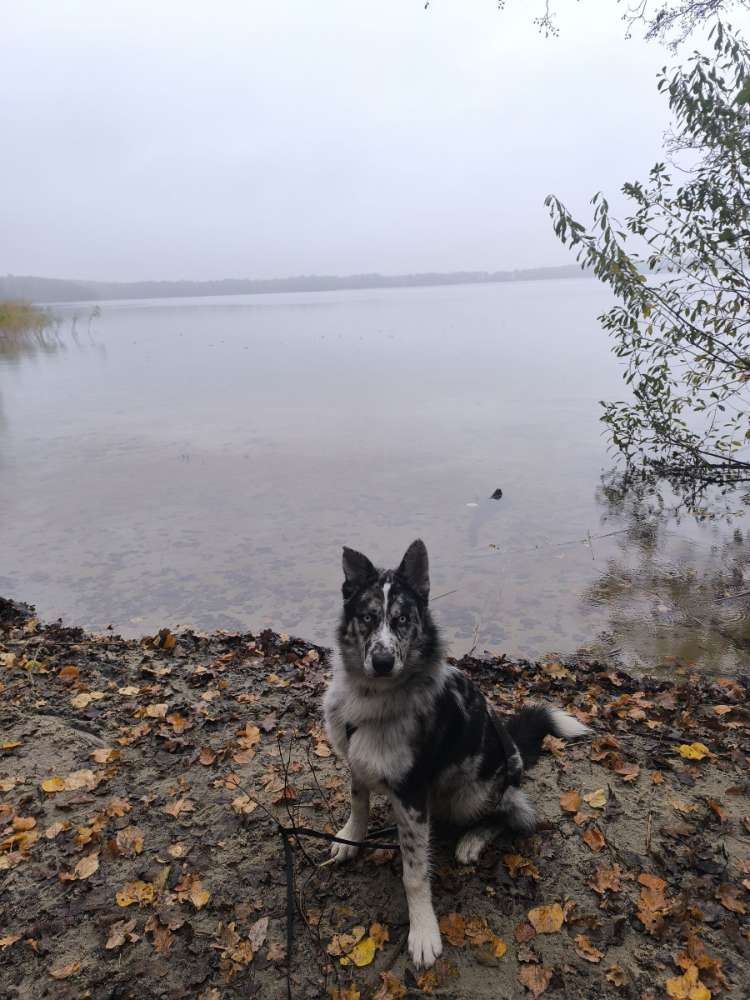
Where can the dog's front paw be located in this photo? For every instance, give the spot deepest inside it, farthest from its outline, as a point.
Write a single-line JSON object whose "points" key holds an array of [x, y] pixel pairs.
{"points": [[425, 945], [345, 852]]}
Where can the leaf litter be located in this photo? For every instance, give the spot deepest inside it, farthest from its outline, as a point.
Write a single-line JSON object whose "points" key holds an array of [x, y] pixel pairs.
{"points": [[143, 783]]}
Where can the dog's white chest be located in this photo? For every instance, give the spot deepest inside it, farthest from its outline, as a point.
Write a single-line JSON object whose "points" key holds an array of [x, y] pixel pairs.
{"points": [[381, 753]]}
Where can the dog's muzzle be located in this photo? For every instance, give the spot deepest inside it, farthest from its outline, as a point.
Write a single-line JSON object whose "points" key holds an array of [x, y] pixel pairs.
{"points": [[382, 662]]}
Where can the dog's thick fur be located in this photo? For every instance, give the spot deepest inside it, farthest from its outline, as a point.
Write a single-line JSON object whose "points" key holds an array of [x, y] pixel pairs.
{"points": [[418, 730]]}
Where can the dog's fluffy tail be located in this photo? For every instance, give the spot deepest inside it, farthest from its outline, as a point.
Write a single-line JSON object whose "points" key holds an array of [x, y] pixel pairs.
{"points": [[529, 727]]}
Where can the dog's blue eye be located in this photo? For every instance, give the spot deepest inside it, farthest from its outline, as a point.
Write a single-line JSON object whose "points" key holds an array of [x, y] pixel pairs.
{"points": [[366, 618], [402, 619]]}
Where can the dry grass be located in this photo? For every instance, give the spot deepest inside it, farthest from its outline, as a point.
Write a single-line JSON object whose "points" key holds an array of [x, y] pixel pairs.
{"points": [[22, 317]]}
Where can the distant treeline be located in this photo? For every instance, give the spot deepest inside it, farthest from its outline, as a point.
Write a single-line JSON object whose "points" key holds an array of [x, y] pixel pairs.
{"points": [[31, 289]]}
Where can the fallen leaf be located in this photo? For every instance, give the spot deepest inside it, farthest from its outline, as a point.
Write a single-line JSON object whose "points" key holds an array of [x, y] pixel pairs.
{"points": [[129, 841], [139, 892], [616, 975], [628, 772], [546, 919], [179, 806], [361, 954], [256, 933], [597, 799], [518, 865], [157, 711], [391, 989], [570, 801], [453, 926], [728, 896], [586, 949], [87, 866], [607, 879], [119, 932], [693, 751], [8, 940], [536, 978], [50, 785], [687, 987], [594, 838], [243, 805], [23, 823], [65, 971], [717, 809], [105, 755], [56, 829]]}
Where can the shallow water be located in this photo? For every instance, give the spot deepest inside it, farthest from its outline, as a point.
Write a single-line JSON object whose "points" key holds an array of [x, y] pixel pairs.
{"points": [[202, 461]]}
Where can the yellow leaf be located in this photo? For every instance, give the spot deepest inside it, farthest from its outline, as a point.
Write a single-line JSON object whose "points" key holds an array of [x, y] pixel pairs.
{"points": [[597, 799], [546, 919], [693, 751], [10, 745], [687, 987], [136, 892], [51, 785], [361, 954], [499, 947]]}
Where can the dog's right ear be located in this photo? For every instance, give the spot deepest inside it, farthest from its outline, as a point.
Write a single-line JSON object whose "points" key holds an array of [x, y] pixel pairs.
{"points": [[358, 570]]}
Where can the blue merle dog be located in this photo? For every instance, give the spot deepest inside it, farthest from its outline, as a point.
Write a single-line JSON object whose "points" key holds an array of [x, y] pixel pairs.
{"points": [[417, 729]]}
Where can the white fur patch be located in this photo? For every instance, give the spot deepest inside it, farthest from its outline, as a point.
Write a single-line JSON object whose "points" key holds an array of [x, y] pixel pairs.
{"points": [[565, 725], [472, 843]]}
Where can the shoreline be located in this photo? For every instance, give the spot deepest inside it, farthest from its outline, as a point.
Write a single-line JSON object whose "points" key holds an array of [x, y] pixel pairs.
{"points": [[144, 783]]}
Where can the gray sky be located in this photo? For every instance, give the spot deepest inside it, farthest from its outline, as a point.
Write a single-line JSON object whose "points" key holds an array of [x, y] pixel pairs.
{"points": [[253, 139]]}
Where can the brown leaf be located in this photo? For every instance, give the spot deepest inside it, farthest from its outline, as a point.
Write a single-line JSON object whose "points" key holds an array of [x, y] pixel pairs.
{"points": [[616, 976], [157, 711], [87, 866], [607, 879], [728, 896], [716, 808], [105, 755], [586, 949], [594, 838], [65, 971], [536, 978], [546, 919], [518, 865], [8, 940], [453, 926], [524, 932], [628, 772], [130, 841], [391, 989], [119, 932], [179, 806], [570, 801]]}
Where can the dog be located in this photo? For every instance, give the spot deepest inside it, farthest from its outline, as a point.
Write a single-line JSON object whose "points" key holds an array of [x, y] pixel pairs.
{"points": [[417, 729]]}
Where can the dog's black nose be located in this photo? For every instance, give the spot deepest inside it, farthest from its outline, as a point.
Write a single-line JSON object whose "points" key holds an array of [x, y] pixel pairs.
{"points": [[382, 663]]}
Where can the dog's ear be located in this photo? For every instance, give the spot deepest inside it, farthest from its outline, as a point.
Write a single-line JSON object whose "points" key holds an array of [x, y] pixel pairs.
{"points": [[358, 570], [415, 569]]}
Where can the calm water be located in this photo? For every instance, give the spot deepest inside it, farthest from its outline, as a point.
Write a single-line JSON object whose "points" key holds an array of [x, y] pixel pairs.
{"points": [[202, 461]]}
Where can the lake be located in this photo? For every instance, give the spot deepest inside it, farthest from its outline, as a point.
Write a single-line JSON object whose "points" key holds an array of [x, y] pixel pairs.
{"points": [[202, 461]]}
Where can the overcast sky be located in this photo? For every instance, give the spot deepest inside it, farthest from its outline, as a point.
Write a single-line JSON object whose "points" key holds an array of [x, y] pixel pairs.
{"points": [[237, 138]]}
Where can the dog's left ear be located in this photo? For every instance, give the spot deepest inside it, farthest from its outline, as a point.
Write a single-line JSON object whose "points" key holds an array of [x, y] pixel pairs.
{"points": [[415, 569]]}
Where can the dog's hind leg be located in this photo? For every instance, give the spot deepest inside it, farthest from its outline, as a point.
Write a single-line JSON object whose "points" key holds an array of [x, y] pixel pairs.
{"points": [[472, 842], [414, 836], [355, 827]]}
